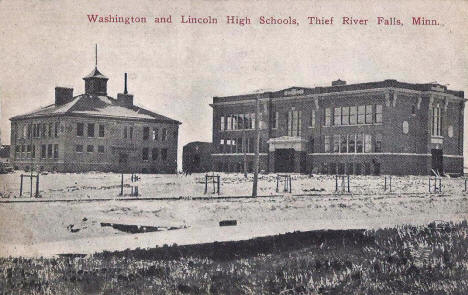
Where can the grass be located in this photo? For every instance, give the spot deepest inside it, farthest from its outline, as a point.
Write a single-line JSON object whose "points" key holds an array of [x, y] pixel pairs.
{"points": [[429, 259]]}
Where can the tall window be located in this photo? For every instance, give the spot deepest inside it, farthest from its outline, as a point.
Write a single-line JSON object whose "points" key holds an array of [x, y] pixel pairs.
{"points": [[144, 155], [327, 117], [56, 129], [33, 154], [359, 143], [125, 132], [90, 148], [344, 143], [90, 129], [275, 120], [131, 132], [164, 135], [378, 143], [145, 133], [378, 113], [101, 130], [247, 121], [229, 123], [222, 123], [155, 134], [336, 143], [367, 143], [154, 154], [43, 151], [240, 121], [351, 143], [164, 154], [56, 151], [294, 123], [312, 119], [51, 127], [100, 149], [345, 115], [353, 115], [368, 114], [337, 120], [326, 144], [221, 146], [79, 148], [311, 144], [234, 122], [361, 114], [436, 121], [49, 151]]}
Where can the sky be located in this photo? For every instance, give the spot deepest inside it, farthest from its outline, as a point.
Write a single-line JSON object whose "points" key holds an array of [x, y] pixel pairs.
{"points": [[175, 69]]}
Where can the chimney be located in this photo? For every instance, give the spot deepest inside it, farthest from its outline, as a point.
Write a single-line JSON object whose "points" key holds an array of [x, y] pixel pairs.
{"points": [[124, 99], [63, 95], [338, 82]]}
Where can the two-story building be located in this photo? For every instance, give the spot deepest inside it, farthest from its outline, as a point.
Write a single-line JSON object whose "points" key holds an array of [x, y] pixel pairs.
{"points": [[387, 127], [94, 132]]}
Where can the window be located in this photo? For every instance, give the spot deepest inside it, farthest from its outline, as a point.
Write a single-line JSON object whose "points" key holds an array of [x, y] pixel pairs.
{"points": [[101, 130], [378, 143], [154, 154], [251, 145], [361, 114], [221, 146], [336, 143], [125, 132], [79, 148], [44, 129], [222, 123], [28, 151], [43, 151], [345, 115], [367, 143], [351, 143], [359, 143], [33, 151], [49, 151], [413, 110], [312, 119], [90, 148], [155, 134], [337, 120], [327, 117], [100, 149], [368, 114], [164, 154], [247, 121], [145, 133], [50, 129], [234, 122], [436, 121], [90, 129], [275, 120], [352, 115], [326, 144], [240, 121], [28, 131], [294, 123], [144, 155], [311, 145], [79, 129], [229, 123], [344, 143], [131, 132], [56, 129], [378, 113], [56, 151], [164, 135]]}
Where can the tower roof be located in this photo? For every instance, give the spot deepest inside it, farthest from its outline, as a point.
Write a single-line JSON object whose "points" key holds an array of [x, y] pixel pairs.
{"points": [[95, 74]]}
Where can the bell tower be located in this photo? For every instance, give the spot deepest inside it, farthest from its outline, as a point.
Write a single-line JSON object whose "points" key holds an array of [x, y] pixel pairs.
{"points": [[95, 82]]}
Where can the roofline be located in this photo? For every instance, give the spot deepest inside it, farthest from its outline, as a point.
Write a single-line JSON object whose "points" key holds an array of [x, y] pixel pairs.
{"points": [[19, 118]]}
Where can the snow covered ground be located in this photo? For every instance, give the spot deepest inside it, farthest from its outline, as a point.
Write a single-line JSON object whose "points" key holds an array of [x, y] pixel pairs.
{"points": [[48, 228]]}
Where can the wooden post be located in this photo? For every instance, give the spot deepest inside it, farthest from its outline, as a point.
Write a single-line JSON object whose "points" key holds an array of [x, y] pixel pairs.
{"points": [[30, 186], [21, 186], [121, 186], [206, 183], [290, 184], [348, 184], [465, 184], [385, 183], [219, 178], [37, 185], [429, 184], [336, 183], [277, 183], [390, 183]]}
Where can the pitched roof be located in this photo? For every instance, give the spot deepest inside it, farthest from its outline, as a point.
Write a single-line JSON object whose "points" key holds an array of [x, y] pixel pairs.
{"points": [[95, 74], [86, 105]]}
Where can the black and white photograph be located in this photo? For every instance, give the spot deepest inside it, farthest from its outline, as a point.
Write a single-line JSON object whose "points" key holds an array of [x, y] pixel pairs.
{"points": [[233, 147]]}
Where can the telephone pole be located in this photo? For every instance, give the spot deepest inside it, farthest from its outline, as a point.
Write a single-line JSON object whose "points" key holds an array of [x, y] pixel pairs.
{"points": [[257, 143]]}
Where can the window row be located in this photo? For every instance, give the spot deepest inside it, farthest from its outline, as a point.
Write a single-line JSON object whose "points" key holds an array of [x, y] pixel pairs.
{"points": [[352, 143], [241, 145], [90, 129], [237, 122], [155, 134], [40, 130], [354, 115], [47, 151], [154, 154], [365, 168], [89, 148]]}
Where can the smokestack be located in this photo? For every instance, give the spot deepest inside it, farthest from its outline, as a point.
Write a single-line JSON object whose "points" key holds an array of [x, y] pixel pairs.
{"points": [[125, 84], [63, 95]]}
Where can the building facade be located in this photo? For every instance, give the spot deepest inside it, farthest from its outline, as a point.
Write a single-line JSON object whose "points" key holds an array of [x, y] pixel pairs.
{"points": [[196, 157], [94, 132], [386, 127]]}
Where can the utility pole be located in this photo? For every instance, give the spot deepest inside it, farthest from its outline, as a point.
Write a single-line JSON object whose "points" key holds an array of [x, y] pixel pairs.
{"points": [[257, 143]]}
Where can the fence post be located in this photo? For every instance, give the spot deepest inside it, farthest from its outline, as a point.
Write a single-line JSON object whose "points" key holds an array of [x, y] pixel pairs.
{"points": [[37, 185], [390, 182], [336, 183], [277, 183], [30, 185], [348, 184], [385, 183], [121, 185], [440, 184], [429, 184], [290, 184], [21, 186], [465, 184], [206, 183], [219, 178]]}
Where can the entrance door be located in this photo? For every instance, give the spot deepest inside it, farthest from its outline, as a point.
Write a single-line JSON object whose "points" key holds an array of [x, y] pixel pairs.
{"points": [[284, 160], [437, 163]]}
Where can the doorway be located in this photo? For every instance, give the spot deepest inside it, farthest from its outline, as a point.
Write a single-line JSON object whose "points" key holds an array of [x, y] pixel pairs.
{"points": [[437, 161], [284, 160]]}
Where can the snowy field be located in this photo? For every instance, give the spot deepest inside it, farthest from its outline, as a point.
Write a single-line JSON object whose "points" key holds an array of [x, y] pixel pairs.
{"points": [[48, 228]]}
